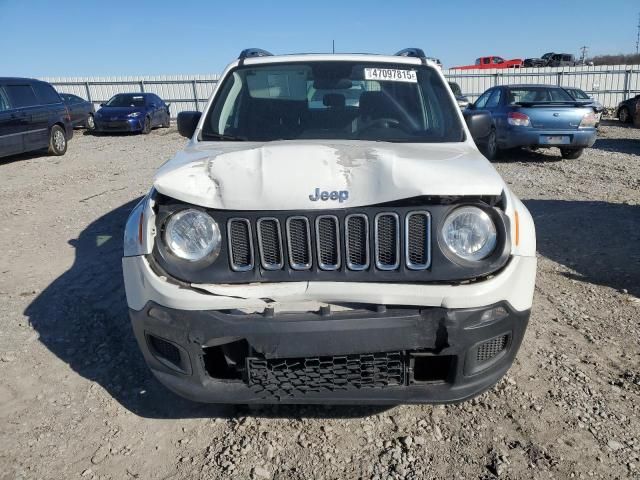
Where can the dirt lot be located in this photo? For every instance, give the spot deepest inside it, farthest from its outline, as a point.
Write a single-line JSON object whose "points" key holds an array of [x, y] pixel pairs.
{"points": [[76, 400]]}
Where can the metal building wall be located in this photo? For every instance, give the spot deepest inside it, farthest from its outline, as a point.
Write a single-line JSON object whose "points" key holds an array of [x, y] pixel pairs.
{"points": [[608, 84]]}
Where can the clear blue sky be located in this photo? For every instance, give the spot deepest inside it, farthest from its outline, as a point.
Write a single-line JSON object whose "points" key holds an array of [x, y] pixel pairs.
{"points": [[117, 37]]}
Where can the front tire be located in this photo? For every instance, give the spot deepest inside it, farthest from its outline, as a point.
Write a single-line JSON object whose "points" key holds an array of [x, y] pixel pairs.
{"points": [[146, 128], [491, 150], [571, 153], [57, 141], [624, 115]]}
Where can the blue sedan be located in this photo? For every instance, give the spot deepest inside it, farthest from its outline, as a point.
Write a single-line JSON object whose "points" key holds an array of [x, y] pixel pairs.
{"points": [[537, 116], [132, 112]]}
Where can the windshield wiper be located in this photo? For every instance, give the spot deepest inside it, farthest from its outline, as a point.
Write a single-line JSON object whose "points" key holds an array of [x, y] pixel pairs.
{"points": [[222, 136]]}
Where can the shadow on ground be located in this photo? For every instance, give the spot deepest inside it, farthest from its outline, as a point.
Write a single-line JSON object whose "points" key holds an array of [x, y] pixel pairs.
{"points": [[600, 241], [82, 318]]}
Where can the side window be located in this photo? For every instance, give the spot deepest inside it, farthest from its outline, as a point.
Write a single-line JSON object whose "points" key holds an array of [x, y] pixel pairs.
{"points": [[482, 100], [21, 95], [478, 61], [4, 102], [497, 60], [76, 99], [486, 60], [494, 100], [46, 94]]}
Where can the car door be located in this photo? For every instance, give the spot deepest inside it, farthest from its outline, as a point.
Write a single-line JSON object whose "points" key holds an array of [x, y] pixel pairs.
{"points": [[10, 127], [28, 118], [498, 114], [156, 105]]}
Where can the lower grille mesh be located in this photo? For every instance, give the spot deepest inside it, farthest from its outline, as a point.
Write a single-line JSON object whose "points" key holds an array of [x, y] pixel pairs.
{"points": [[491, 348], [295, 376]]}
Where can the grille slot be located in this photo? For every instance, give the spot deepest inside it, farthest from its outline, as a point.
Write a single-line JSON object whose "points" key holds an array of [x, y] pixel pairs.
{"points": [[290, 377], [270, 243], [356, 231], [299, 243], [387, 241], [417, 240], [491, 348], [328, 242], [240, 244]]}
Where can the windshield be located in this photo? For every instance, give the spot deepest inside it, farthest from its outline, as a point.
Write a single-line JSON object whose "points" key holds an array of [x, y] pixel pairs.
{"points": [[334, 100], [579, 94], [126, 100], [538, 95]]}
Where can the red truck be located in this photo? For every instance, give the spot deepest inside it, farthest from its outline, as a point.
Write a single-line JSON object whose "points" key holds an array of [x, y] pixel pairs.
{"points": [[492, 62]]}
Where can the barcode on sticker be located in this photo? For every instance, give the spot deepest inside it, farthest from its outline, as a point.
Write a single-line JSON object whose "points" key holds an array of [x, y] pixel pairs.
{"points": [[390, 75]]}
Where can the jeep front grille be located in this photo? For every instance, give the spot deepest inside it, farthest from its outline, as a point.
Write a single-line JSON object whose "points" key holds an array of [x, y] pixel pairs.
{"points": [[332, 243]]}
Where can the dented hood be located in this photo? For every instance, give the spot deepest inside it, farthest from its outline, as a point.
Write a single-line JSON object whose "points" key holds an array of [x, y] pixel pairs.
{"points": [[290, 175]]}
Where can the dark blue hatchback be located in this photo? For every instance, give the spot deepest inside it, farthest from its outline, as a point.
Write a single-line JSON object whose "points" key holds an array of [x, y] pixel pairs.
{"points": [[537, 116], [132, 112]]}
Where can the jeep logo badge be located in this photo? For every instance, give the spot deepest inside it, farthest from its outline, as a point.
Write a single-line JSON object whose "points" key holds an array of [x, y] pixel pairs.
{"points": [[340, 195]]}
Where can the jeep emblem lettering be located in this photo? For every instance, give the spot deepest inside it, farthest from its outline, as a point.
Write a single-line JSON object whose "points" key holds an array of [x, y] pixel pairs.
{"points": [[340, 195]]}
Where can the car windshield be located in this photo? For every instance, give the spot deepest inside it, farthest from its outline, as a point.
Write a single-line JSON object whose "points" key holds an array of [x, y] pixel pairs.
{"points": [[126, 100], [579, 94], [538, 95], [342, 100]]}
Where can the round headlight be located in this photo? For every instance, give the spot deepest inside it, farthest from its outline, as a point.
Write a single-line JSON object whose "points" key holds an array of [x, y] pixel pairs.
{"points": [[192, 235], [469, 233]]}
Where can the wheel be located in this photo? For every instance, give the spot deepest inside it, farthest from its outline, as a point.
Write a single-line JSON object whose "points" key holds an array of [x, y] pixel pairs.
{"points": [[167, 123], [491, 149], [57, 141], [624, 115], [147, 126], [571, 153], [91, 123]]}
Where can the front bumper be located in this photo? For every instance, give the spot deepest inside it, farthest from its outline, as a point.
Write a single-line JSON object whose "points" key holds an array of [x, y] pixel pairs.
{"points": [[120, 125], [528, 137], [427, 355]]}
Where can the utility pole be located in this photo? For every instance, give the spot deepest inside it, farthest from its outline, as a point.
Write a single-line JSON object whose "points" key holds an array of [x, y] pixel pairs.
{"points": [[638, 36], [333, 43], [583, 55]]}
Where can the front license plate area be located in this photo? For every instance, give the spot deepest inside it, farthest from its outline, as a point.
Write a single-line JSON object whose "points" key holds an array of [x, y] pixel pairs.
{"points": [[555, 140]]}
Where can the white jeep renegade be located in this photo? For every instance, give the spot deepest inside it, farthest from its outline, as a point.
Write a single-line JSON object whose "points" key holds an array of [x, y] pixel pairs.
{"points": [[330, 234]]}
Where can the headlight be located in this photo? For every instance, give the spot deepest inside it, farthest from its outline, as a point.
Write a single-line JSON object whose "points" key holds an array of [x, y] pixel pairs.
{"points": [[469, 233], [134, 114], [192, 235]]}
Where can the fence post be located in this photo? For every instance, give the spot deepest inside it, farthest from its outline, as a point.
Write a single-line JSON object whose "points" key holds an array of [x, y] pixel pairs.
{"points": [[195, 94], [627, 83], [559, 75], [86, 86], [495, 79], [142, 86]]}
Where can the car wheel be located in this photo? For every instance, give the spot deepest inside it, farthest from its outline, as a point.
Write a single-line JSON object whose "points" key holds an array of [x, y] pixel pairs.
{"points": [[624, 115], [91, 123], [147, 126], [491, 149], [571, 153], [57, 141]]}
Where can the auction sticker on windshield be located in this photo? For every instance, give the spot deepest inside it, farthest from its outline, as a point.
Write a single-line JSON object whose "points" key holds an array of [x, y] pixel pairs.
{"points": [[390, 75]]}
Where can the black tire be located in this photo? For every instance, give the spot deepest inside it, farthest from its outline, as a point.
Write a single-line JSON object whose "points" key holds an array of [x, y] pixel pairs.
{"points": [[491, 150], [624, 115], [571, 153], [57, 141], [90, 123], [146, 128]]}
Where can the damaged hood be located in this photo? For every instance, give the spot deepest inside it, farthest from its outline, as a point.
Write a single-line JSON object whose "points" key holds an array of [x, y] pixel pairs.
{"points": [[292, 175]]}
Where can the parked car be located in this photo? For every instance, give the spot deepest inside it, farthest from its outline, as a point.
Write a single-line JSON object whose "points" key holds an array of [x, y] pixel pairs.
{"points": [[538, 116], [538, 62], [32, 117], [132, 112], [492, 62], [626, 110], [561, 60], [82, 112], [580, 95], [291, 244], [463, 101]]}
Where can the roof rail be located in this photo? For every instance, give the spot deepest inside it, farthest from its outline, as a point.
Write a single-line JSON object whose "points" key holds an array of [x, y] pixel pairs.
{"points": [[411, 52], [253, 52]]}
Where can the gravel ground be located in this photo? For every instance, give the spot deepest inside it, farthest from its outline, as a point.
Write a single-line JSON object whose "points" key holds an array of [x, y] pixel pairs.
{"points": [[76, 400]]}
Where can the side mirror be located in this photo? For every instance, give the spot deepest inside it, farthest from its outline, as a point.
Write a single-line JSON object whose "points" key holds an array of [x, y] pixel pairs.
{"points": [[479, 123], [187, 123]]}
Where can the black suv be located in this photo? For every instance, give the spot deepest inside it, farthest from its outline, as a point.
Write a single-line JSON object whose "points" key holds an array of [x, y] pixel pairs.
{"points": [[32, 117]]}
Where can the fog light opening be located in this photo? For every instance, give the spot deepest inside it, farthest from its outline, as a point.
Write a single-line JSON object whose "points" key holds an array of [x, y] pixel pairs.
{"points": [[227, 361], [430, 368]]}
